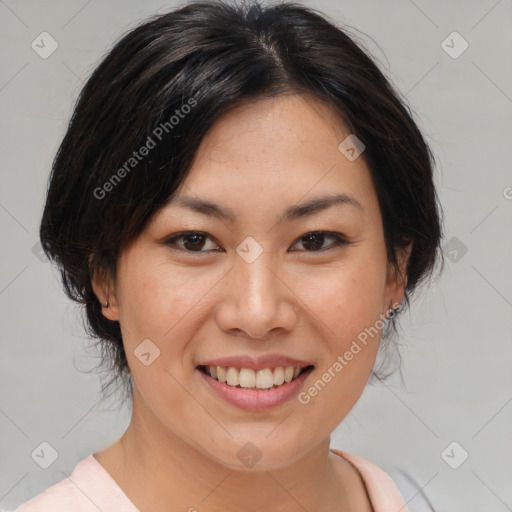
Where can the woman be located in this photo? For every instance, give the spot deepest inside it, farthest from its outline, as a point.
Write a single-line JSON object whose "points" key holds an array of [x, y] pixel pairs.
{"points": [[243, 205]]}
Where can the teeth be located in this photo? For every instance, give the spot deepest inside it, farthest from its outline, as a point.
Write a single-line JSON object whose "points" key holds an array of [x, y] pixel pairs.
{"points": [[264, 378], [247, 378], [232, 377], [221, 373], [278, 376]]}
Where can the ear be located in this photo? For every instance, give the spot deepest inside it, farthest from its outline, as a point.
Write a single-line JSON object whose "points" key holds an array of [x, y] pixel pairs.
{"points": [[104, 289], [397, 280]]}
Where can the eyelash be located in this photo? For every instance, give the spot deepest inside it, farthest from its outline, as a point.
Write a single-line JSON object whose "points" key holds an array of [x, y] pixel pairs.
{"points": [[339, 241]]}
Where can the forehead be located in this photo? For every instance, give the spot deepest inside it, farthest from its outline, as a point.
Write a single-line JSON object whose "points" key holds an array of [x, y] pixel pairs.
{"points": [[285, 128], [275, 151]]}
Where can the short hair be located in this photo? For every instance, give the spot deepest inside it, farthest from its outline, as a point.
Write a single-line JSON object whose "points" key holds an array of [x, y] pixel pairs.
{"points": [[195, 63]]}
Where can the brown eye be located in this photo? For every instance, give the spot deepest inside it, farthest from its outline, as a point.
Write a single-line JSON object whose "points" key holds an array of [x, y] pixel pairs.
{"points": [[314, 241], [192, 241]]}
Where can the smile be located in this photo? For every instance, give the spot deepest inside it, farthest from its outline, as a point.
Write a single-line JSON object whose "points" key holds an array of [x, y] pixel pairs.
{"points": [[271, 382], [247, 378]]}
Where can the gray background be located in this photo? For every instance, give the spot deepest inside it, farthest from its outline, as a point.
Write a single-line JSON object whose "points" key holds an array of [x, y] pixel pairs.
{"points": [[456, 344]]}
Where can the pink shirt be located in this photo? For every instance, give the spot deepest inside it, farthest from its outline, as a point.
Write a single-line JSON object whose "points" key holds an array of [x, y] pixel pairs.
{"points": [[90, 488]]}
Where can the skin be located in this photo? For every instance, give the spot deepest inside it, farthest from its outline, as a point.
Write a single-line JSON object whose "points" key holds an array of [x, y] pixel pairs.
{"points": [[181, 445]]}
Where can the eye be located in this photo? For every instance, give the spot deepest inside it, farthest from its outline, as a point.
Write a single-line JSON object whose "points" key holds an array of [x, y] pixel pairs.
{"points": [[314, 241], [191, 241], [197, 241]]}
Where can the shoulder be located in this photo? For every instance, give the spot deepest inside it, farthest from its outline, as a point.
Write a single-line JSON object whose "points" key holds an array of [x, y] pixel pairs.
{"points": [[89, 488], [59, 497], [383, 493]]}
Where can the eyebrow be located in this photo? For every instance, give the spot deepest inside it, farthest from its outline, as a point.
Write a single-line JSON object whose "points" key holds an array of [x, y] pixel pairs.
{"points": [[292, 213]]}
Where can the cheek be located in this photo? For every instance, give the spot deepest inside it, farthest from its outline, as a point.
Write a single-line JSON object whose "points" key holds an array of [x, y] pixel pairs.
{"points": [[156, 297], [348, 301], [156, 303], [163, 304], [348, 298], [348, 307]]}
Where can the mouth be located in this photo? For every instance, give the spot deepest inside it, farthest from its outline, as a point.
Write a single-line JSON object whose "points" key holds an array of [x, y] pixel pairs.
{"points": [[262, 379], [255, 382]]}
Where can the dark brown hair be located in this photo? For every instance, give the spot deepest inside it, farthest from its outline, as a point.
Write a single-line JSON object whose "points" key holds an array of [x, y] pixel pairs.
{"points": [[195, 63]]}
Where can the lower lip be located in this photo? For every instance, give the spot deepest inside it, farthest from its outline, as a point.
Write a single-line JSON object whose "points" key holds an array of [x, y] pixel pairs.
{"points": [[256, 400]]}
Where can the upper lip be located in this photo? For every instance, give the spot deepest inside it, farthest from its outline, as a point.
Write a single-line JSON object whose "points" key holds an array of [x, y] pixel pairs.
{"points": [[256, 362]]}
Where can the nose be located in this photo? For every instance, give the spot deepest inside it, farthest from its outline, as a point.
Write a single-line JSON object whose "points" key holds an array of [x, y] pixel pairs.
{"points": [[257, 302]]}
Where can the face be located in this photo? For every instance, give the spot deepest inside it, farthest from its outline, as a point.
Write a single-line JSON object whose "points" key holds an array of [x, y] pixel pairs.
{"points": [[271, 257]]}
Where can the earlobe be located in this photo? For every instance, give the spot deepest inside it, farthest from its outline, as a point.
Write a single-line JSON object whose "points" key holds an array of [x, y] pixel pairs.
{"points": [[107, 299], [105, 293], [109, 308], [397, 278]]}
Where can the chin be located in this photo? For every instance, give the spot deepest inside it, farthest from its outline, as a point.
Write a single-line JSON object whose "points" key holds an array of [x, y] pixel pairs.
{"points": [[253, 454]]}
